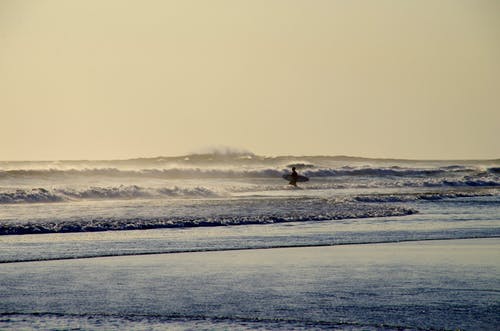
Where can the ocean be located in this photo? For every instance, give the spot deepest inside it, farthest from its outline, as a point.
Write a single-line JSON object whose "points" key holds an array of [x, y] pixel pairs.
{"points": [[221, 241]]}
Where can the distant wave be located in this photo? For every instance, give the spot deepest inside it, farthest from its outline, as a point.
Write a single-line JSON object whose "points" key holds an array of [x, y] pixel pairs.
{"points": [[394, 171], [291, 211], [148, 173], [495, 170], [242, 172], [301, 165], [38, 195]]}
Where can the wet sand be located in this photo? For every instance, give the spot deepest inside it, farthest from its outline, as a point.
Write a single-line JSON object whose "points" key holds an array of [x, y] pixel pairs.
{"points": [[449, 284]]}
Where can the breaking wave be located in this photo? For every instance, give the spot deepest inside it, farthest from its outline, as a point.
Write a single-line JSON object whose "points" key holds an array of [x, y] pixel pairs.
{"points": [[44, 195], [208, 215], [33, 195], [373, 172], [38, 195], [308, 170]]}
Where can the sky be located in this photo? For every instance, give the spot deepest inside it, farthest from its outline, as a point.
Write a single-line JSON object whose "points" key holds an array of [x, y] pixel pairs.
{"points": [[114, 79]]}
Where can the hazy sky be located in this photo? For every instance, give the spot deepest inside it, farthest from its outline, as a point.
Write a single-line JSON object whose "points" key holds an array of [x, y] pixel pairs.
{"points": [[101, 79]]}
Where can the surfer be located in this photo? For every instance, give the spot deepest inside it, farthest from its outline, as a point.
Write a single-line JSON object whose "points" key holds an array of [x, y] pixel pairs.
{"points": [[294, 176]]}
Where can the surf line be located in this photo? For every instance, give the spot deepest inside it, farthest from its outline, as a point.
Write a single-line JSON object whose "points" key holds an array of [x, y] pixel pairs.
{"points": [[210, 250]]}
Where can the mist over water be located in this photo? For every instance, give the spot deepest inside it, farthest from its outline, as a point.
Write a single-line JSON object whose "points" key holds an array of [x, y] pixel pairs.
{"points": [[226, 172]]}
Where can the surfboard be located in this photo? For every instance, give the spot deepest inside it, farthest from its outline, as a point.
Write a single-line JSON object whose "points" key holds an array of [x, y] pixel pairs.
{"points": [[300, 179]]}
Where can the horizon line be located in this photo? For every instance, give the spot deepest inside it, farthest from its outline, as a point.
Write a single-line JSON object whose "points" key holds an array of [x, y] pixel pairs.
{"points": [[340, 156]]}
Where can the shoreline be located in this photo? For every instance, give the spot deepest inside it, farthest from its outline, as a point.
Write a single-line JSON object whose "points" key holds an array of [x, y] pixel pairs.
{"points": [[438, 284], [247, 249]]}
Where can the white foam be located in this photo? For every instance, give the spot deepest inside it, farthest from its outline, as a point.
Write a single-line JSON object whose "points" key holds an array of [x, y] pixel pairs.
{"points": [[209, 213], [42, 195]]}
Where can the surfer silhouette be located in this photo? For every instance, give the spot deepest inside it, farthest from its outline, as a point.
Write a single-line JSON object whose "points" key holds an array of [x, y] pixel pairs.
{"points": [[294, 176]]}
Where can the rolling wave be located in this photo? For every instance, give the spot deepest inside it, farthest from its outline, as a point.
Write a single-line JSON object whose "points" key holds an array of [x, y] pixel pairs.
{"points": [[147, 173], [244, 213], [234, 172], [39, 195], [51, 195], [373, 172], [27, 196]]}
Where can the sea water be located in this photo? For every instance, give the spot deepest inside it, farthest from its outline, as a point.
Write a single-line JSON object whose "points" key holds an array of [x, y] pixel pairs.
{"points": [[60, 210]]}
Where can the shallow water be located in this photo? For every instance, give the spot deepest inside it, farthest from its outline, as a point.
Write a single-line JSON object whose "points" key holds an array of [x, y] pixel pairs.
{"points": [[401, 286]]}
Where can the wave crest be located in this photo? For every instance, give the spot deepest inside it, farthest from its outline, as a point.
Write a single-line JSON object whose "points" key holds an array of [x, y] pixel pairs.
{"points": [[32, 195], [39, 195], [308, 170], [213, 214]]}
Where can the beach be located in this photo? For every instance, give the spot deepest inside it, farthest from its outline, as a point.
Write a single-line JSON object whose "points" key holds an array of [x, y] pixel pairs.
{"points": [[449, 284]]}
